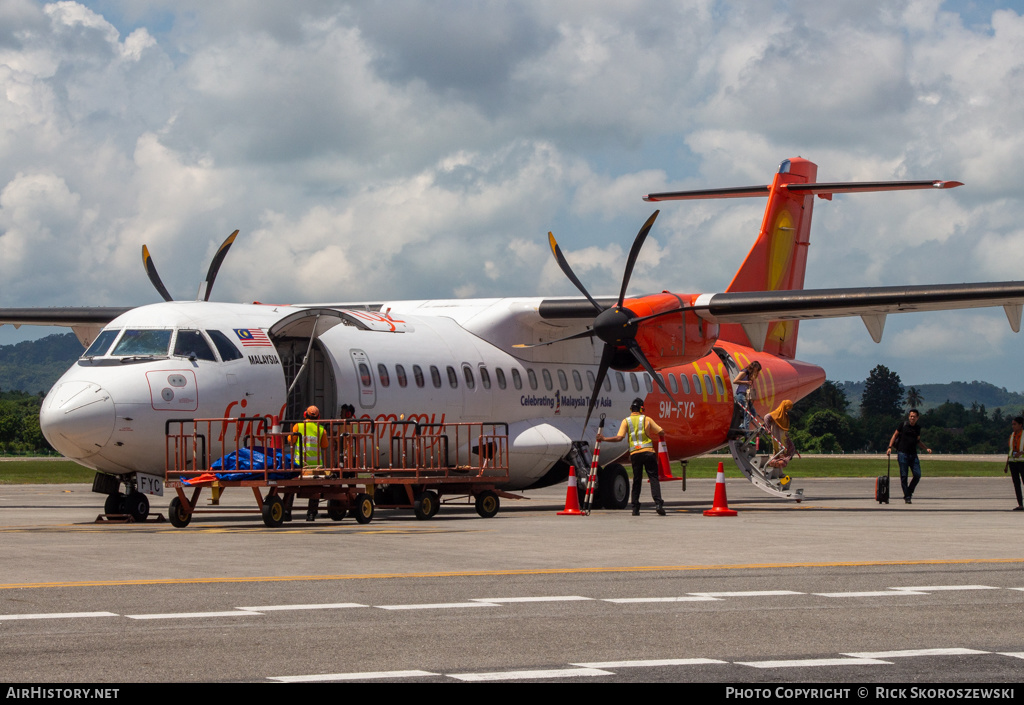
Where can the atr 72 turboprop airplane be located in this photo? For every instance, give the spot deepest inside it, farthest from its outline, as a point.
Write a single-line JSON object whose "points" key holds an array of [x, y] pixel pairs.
{"points": [[542, 365]]}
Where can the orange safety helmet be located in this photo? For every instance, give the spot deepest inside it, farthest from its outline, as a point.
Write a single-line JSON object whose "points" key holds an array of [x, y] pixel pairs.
{"points": [[312, 413]]}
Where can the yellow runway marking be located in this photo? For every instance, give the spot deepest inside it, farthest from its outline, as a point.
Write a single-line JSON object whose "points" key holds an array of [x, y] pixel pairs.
{"points": [[487, 573]]}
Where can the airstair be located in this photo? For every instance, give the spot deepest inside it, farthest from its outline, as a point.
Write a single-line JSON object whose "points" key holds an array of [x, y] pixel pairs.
{"points": [[745, 444], [756, 465]]}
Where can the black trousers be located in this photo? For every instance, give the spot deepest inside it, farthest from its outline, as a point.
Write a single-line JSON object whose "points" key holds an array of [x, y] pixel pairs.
{"points": [[645, 461], [1016, 469]]}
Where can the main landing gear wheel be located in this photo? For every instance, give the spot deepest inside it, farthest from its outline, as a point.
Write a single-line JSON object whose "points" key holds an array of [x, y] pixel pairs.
{"points": [[426, 505], [137, 505], [487, 504], [363, 511], [613, 486], [114, 504], [273, 511], [179, 517], [335, 511]]}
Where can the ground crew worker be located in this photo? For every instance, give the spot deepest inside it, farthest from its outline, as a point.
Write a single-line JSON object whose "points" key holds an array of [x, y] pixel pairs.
{"points": [[639, 429], [308, 441]]}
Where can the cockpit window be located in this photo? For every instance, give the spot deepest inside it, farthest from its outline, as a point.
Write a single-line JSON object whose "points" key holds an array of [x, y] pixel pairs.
{"points": [[101, 344], [191, 343], [225, 347], [143, 343]]}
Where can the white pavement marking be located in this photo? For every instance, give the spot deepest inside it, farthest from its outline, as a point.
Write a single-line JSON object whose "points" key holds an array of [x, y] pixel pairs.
{"points": [[370, 675], [281, 608], [1014, 654], [559, 598], [936, 588], [649, 663], [685, 598], [915, 652], [815, 662], [530, 675], [193, 615], [437, 606], [58, 615], [870, 593], [748, 593]]}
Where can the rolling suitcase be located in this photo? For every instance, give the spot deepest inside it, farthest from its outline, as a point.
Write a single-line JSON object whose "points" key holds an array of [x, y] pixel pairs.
{"points": [[882, 486]]}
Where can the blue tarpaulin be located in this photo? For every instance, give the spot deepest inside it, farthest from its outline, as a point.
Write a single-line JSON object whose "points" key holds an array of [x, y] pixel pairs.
{"points": [[233, 465]]}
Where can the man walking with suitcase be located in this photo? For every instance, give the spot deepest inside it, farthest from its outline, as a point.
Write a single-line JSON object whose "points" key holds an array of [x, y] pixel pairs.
{"points": [[906, 439]]}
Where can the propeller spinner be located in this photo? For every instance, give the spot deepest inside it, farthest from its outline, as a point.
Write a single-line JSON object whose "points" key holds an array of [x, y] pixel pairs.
{"points": [[205, 287], [616, 326]]}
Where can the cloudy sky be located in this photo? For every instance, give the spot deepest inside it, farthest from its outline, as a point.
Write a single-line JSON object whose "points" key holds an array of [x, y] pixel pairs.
{"points": [[401, 149]]}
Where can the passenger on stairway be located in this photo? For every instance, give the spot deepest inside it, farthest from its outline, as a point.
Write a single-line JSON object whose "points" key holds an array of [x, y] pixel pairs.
{"points": [[777, 424], [743, 391]]}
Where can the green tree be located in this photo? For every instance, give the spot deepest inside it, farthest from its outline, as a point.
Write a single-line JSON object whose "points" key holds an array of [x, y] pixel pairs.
{"points": [[883, 394], [914, 398]]}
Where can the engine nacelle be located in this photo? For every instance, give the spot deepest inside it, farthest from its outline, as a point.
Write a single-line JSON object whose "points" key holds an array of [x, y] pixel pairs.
{"points": [[672, 339]]}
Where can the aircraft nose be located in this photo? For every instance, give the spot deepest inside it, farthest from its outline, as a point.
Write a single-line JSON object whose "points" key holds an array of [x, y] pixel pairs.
{"points": [[77, 418]]}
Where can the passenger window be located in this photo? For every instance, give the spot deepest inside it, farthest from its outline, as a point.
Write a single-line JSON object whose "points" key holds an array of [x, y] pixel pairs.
{"points": [[453, 379], [685, 383], [532, 377], [467, 371], [485, 378], [709, 387], [563, 381], [591, 380], [548, 384], [721, 387], [577, 380], [382, 373], [364, 375], [672, 385], [417, 374], [435, 376], [517, 379], [648, 383], [621, 381], [501, 378], [101, 344], [696, 385], [608, 382], [189, 343], [224, 346], [400, 376]]}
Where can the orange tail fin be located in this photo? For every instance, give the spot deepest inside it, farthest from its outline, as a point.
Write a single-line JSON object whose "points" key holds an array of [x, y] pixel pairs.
{"points": [[778, 259]]}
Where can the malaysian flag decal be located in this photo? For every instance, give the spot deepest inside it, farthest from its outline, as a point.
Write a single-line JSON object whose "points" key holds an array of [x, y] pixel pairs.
{"points": [[252, 338]]}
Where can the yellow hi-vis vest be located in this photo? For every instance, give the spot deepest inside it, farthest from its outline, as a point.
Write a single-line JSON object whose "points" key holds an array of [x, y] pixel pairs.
{"points": [[638, 438], [1019, 448], [307, 448]]}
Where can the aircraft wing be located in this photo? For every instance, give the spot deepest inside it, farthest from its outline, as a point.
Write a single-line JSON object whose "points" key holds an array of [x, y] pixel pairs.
{"points": [[754, 310], [86, 322]]}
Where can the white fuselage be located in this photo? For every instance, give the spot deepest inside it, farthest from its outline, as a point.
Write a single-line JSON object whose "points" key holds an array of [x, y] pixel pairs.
{"points": [[110, 410]]}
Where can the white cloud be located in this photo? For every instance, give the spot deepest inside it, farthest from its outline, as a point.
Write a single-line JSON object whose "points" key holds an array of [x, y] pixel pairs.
{"points": [[384, 151]]}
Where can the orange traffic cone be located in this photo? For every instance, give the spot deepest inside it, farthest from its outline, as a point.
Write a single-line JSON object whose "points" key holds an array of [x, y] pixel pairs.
{"points": [[664, 468], [572, 498], [720, 507]]}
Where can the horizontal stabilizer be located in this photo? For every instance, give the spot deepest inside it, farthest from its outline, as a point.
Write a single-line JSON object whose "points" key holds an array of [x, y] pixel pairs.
{"points": [[822, 190]]}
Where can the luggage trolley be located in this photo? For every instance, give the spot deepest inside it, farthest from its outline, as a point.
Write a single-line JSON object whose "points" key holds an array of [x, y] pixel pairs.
{"points": [[424, 463], [248, 452], [428, 461]]}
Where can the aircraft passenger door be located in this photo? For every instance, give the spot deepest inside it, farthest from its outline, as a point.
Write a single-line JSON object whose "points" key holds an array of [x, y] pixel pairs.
{"points": [[364, 376]]}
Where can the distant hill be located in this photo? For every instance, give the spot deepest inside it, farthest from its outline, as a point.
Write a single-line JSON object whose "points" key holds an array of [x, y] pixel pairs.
{"points": [[967, 393], [34, 365]]}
